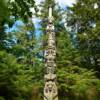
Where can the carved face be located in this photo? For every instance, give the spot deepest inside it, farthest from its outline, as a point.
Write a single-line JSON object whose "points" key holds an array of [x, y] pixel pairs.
{"points": [[50, 70], [49, 86]]}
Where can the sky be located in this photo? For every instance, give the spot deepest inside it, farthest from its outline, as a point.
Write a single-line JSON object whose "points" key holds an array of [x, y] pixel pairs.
{"points": [[61, 2], [66, 2]]}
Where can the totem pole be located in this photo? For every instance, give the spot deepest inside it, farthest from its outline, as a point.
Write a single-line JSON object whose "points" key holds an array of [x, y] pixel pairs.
{"points": [[50, 88]]}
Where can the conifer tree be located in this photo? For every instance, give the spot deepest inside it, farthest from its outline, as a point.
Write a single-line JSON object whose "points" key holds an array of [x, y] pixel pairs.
{"points": [[68, 57], [84, 17]]}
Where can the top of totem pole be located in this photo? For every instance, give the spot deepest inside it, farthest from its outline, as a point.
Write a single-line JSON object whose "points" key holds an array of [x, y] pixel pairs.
{"points": [[50, 12], [50, 18]]}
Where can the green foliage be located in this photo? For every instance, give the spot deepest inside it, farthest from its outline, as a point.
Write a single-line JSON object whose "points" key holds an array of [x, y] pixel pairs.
{"points": [[21, 8], [1, 98], [3, 18], [66, 53], [15, 79], [10, 11], [75, 82], [3, 12], [19, 67], [78, 83], [26, 51], [86, 16]]}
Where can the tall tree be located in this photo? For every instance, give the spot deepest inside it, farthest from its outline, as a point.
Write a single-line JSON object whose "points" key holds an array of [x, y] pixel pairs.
{"points": [[21, 8], [68, 57], [26, 50], [15, 80], [18, 10], [3, 18], [19, 66], [84, 18]]}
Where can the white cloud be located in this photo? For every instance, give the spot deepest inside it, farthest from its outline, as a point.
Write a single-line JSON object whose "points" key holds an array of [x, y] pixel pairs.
{"points": [[61, 2], [38, 1], [66, 2]]}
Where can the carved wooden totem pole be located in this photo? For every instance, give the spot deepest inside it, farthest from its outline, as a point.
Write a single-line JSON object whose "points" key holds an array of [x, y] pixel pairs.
{"points": [[50, 89]]}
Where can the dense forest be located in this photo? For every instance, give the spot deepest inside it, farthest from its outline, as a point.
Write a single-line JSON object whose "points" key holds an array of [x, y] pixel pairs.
{"points": [[77, 31]]}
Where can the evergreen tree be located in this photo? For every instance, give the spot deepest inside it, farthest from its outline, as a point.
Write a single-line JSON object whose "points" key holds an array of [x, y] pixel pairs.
{"points": [[3, 18], [21, 74], [21, 8], [18, 9], [15, 79], [68, 57], [84, 17], [26, 50]]}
